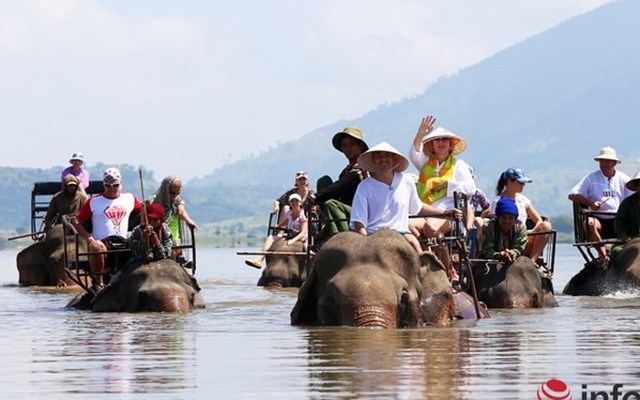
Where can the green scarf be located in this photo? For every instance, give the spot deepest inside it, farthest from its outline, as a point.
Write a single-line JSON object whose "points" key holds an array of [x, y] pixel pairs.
{"points": [[429, 180]]}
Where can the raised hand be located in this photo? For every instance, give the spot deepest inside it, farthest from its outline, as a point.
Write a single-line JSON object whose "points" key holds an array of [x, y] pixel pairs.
{"points": [[426, 125]]}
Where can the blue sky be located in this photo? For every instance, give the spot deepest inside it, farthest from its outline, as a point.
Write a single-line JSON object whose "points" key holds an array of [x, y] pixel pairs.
{"points": [[184, 87]]}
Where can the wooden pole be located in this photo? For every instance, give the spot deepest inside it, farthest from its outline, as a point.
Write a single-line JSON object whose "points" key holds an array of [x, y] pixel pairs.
{"points": [[143, 210], [26, 235]]}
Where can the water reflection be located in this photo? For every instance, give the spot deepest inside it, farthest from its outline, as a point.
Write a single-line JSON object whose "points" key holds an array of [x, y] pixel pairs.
{"points": [[242, 346], [365, 363], [121, 353]]}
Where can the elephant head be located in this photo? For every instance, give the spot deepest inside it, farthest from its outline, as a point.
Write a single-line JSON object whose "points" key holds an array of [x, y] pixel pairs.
{"points": [[516, 285], [284, 270], [590, 281], [162, 286], [365, 281], [596, 279], [42, 263]]}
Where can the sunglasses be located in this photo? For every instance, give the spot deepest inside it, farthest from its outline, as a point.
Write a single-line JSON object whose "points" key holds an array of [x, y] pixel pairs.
{"points": [[113, 185], [174, 193]]}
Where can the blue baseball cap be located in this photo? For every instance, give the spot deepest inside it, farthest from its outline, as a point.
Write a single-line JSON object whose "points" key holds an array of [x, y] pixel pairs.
{"points": [[517, 174]]}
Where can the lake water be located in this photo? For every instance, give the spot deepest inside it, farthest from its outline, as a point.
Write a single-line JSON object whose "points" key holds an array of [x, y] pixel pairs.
{"points": [[242, 346]]}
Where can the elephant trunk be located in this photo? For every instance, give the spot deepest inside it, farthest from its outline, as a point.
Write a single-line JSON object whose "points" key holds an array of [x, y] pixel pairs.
{"points": [[438, 309], [275, 284], [521, 302], [164, 300], [375, 317]]}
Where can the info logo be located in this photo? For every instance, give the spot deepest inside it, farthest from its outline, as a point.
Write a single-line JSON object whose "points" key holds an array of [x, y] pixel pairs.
{"points": [[554, 389]]}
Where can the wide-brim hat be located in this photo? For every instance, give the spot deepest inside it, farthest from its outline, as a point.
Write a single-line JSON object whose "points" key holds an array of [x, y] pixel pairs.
{"points": [[365, 160], [350, 131], [633, 183], [458, 144], [607, 153], [77, 156]]}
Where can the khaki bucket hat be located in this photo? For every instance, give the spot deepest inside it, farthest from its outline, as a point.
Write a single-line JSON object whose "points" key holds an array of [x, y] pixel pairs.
{"points": [[608, 153], [458, 144], [365, 160], [351, 131]]}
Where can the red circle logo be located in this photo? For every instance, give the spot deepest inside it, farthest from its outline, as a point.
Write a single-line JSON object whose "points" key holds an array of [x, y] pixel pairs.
{"points": [[554, 389]]}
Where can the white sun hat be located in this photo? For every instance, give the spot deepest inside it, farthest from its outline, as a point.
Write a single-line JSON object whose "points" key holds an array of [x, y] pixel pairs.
{"points": [[608, 153]]}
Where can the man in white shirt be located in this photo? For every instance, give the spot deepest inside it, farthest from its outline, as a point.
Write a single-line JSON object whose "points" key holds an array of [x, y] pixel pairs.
{"points": [[387, 198], [602, 191]]}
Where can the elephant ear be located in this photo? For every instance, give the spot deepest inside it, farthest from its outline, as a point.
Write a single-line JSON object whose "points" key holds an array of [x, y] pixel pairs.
{"points": [[429, 262], [432, 275], [108, 299], [305, 311]]}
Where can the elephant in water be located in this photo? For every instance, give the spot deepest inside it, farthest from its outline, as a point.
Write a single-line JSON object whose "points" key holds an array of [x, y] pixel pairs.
{"points": [[42, 263], [373, 281], [283, 270], [597, 280], [162, 286], [515, 285]]}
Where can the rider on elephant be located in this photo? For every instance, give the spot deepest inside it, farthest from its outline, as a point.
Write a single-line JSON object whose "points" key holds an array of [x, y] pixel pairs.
{"points": [[504, 238], [335, 198], [602, 191], [434, 152], [152, 241], [66, 202], [296, 226], [627, 220], [109, 214]]}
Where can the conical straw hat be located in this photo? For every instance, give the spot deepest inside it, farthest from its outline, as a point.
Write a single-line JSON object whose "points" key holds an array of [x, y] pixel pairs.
{"points": [[458, 144], [365, 160]]}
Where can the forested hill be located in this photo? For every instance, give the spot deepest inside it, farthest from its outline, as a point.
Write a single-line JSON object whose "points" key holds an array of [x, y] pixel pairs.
{"points": [[546, 105]]}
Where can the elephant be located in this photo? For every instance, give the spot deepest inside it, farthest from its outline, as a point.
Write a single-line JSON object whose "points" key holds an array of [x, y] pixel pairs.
{"points": [[42, 263], [283, 270], [156, 286], [515, 285], [374, 281], [622, 273]]}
